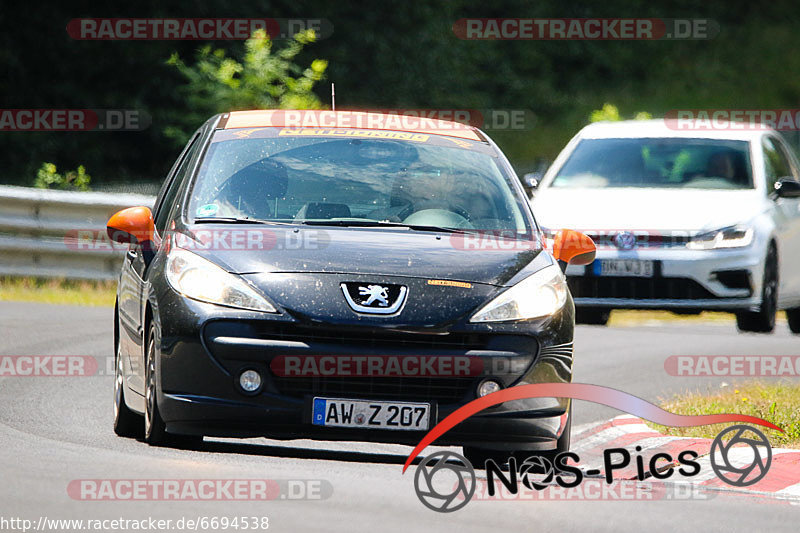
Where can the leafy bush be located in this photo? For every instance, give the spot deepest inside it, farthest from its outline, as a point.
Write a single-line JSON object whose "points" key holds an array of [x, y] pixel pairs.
{"points": [[265, 79], [610, 113], [75, 180]]}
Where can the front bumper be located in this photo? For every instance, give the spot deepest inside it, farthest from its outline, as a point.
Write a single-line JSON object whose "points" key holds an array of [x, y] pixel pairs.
{"points": [[693, 280], [204, 349]]}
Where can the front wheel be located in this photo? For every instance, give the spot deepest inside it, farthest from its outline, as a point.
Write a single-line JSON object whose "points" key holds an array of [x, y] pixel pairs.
{"points": [[155, 430], [763, 320], [126, 422]]}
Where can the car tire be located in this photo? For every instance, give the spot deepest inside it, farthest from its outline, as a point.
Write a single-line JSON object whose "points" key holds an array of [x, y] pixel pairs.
{"points": [[155, 429], [126, 422], [592, 316], [763, 320], [479, 456], [793, 315]]}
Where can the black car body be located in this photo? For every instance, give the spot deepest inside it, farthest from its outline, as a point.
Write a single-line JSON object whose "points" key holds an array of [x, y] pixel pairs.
{"points": [[181, 360]]}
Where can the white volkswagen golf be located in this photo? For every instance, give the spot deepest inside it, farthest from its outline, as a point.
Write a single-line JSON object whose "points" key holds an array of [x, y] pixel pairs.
{"points": [[684, 220]]}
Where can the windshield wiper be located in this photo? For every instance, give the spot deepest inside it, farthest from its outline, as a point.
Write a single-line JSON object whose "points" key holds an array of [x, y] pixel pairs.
{"points": [[382, 224], [238, 220], [338, 223]]}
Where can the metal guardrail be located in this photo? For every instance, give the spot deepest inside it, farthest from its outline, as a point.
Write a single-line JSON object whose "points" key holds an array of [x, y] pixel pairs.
{"points": [[47, 233]]}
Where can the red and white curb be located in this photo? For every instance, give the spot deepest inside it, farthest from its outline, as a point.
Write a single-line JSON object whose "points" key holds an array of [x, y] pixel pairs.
{"points": [[626, 431]]}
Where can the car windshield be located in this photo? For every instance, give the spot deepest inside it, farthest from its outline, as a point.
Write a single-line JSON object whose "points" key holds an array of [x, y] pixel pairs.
{"points": [[344, 177], [657, 162]]}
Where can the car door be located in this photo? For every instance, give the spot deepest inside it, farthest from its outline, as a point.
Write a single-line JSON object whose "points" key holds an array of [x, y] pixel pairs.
{"points": [[136, 262], [780, 164]]}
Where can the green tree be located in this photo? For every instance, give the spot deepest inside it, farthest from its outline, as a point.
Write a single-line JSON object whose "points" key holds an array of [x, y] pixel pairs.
{"points": [[265, 79], [74, 180]]}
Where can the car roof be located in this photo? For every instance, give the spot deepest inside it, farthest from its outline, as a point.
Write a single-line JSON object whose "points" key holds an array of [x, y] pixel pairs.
{"points": [[672, 128], [348, 120]]}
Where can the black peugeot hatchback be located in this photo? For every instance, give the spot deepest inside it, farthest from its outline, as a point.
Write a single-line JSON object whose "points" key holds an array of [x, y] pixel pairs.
{"points": [[341, 276]]}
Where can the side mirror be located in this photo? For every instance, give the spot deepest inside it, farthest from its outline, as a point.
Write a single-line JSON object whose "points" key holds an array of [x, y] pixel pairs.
{"points": [[531, 180], [131, 225], [787, 188], [573, 247]]}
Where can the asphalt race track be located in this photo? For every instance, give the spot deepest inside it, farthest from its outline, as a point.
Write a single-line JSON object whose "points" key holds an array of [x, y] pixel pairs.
{"points": [[56, 430]]}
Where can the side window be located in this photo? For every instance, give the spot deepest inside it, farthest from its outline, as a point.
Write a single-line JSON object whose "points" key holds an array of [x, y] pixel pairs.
{"points": [[168, 198], [790, 165], [776, 165]]}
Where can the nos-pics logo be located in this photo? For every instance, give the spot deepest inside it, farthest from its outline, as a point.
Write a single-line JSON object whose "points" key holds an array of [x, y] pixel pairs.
{"points": [[445, 481]]}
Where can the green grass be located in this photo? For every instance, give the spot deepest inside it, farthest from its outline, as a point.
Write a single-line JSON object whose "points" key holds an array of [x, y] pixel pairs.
{"points": [[776, 402], [57, 291]]}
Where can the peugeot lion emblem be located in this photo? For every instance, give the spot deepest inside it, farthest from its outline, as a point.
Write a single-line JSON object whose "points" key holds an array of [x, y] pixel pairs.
{"points": [[374, 298], [375, 293]]}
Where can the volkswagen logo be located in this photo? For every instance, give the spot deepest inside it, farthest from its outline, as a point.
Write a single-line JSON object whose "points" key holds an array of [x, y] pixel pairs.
{"points": [[733, 462], [442, 485], [625, 240]]}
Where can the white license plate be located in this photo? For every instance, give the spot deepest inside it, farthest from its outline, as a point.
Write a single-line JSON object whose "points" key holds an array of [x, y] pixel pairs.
{"points": [[370, 415], [637, 268]]}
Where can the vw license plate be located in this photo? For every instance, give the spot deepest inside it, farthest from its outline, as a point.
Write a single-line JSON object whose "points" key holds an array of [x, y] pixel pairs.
{"points": [[637, 268], [370, 415]]}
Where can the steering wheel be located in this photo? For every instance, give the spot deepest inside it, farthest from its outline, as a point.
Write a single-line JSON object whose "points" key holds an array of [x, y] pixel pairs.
{"points": [[438, 217]]}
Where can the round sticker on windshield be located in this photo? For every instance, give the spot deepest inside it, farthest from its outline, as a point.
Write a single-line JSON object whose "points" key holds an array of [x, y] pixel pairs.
{"points": [[208, 210]]}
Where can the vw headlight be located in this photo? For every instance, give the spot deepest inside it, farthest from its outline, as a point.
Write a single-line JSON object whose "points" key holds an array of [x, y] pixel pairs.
{"points": [[731, 237], [539, 295], [200, 279]]}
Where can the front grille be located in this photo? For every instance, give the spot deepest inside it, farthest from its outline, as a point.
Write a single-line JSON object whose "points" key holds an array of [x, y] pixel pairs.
{"points": [[436, 389], [377, 339], [444, 390], [644, 239], [637, 288]]}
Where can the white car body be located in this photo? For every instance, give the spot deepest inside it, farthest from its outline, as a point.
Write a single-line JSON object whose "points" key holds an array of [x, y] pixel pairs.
{"points": [[651, 214]]}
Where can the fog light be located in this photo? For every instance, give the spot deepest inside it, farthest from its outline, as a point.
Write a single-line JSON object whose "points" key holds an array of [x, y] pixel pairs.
{"points": [[487, 387], [250, 381]]}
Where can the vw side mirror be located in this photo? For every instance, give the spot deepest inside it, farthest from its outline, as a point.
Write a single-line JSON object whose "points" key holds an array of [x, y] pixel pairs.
{"points": [[531, 180], [787, 188]]}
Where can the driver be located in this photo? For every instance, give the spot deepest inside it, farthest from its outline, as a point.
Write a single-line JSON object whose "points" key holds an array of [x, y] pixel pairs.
{"points": [[253, 191], [721, 165]]}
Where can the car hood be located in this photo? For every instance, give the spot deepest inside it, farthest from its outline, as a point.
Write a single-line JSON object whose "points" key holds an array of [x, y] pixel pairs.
{"points": [[253, 249], [645, 209]]}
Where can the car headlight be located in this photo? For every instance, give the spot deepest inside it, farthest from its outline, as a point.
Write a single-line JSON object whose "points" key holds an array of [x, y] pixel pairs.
{"points": [[540, 294], [200, 279], [731, 237]]}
